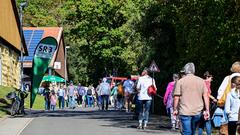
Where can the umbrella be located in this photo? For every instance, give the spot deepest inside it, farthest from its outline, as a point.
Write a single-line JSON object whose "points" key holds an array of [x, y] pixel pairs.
{"points": [[52, 78]]}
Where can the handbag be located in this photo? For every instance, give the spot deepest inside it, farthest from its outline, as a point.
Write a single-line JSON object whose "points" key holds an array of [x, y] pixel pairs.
{"points": [[152, 91]]}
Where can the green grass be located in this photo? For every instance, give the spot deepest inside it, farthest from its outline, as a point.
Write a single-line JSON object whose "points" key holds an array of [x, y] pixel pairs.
{"points": [[38, 103], [5, 104]]}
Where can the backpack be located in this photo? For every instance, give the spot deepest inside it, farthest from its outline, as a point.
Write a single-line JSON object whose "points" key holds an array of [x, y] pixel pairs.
{"points": [[120, 90], [89, 92], [221, 101]]}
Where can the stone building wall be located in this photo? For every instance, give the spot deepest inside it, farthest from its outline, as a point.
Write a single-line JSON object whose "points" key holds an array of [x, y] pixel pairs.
{"points": [[10, 67]]}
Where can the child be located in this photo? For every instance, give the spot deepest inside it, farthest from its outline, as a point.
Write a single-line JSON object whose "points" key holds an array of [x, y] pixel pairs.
{"points": [[232, 105], [53, 100]]}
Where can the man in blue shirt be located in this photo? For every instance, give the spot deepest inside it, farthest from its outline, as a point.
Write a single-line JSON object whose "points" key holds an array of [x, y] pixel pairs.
{"points": [[128, 91]]}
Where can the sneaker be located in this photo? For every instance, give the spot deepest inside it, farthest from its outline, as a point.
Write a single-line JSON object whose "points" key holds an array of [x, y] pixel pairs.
{"points": [[139, 126], [173, 128], [145, 126]]}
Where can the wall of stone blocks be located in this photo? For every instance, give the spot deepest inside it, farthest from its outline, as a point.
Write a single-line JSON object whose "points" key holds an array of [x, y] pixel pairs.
{"points": [[10, 67]]}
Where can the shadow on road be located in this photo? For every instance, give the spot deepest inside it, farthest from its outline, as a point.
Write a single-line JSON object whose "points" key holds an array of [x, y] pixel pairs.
{"points": [[117, 119]]}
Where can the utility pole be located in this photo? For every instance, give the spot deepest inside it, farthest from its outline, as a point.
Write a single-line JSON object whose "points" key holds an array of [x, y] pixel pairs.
{"points": [[22, 6], [65, 64]]}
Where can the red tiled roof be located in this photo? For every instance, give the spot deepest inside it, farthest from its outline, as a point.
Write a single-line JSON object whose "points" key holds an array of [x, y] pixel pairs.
{"points": [[55, 32]]}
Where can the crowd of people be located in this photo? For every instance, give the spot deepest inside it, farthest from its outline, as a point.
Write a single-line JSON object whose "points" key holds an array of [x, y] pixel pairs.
{"points": [[189, 102], [67, 96], [80, 96], [188, 99]]}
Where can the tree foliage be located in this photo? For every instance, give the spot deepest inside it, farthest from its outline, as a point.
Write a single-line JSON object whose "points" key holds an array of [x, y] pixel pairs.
{"points": [[126, 35]]}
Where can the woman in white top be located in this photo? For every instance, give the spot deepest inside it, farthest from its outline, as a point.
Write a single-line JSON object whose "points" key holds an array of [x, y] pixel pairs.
{"points": [[223, 89], [145, 100]]}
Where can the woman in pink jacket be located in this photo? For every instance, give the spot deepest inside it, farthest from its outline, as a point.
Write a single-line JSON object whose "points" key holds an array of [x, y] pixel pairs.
{"points": [[168, 100]]}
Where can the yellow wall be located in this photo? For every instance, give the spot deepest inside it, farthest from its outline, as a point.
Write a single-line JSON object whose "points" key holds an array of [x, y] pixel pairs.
{"points": [[8, 24], [10, 67]]}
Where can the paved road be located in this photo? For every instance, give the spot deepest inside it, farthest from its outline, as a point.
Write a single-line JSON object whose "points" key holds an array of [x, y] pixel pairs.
{"points": [[91, 122]]}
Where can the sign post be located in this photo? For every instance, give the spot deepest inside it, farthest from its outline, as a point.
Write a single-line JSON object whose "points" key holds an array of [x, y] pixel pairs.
{"points": [[153, 68]]}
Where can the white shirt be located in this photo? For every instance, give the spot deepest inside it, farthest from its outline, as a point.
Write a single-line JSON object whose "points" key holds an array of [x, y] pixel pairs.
{"points": [[104, 88], [143, 83], [224, 84], [232, 105], [61, 92]]}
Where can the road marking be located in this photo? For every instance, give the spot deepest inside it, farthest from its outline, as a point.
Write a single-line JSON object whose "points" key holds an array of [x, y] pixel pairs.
{"points": [[28, 122]]}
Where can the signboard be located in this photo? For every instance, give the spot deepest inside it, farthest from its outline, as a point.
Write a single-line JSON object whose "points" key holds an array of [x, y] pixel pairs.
{"points": [[45, 51], [57, 65], [42, 57], [153, 67]]}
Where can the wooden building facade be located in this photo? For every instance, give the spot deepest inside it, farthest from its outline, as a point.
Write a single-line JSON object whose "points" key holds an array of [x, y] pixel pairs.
{"points": [[10, 44]]}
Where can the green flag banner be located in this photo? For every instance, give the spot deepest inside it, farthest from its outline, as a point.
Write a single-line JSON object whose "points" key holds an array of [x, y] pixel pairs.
{"points": [[42, 57]]}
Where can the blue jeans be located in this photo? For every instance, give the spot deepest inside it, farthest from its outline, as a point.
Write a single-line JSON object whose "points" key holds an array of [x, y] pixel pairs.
{"points": [[105, 99], [53, 107], [144, 110], [71, 102], [207, 125], [189, 124], [61, 102], [120, 102], [89, 100], [99, 100], [47, 105]]}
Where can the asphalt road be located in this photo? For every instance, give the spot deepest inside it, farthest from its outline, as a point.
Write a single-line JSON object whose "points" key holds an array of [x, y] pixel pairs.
{"points": [[90, 121]]}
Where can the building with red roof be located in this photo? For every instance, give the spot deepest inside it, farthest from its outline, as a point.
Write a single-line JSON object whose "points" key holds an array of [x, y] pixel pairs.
{"points": [[57, 66], [11, 44]]}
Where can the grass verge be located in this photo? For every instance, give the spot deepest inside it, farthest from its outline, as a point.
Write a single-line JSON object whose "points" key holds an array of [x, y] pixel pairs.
{"points": [[6, 104]]}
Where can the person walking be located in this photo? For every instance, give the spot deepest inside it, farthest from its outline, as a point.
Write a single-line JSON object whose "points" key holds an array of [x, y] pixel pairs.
{"points": [[46, 94], [168, 100], [61, 95], [114, 93], [105, 91], [232, 106], [66, 97], [53, 100], [207, 123], [145, 100], [190, 96], [128, 93], [223, 90], [71, 89], [225, 86], [90, 96], [80, 91], [98, 95], [120, 96]]}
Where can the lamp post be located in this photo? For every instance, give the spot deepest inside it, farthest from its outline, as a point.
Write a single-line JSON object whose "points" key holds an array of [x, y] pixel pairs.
{"points": [[22, 6], [65, 64]]}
